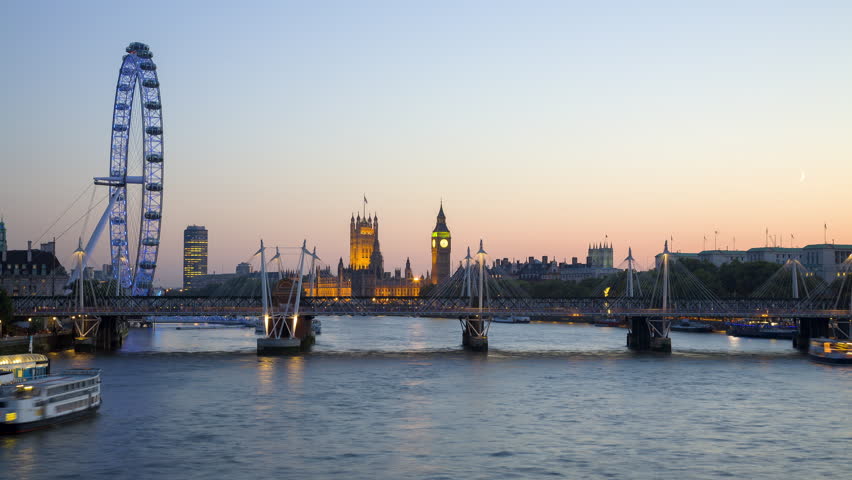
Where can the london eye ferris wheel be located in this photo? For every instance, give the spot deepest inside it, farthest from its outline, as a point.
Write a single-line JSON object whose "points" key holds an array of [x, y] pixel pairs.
{"points": [[136, 159]]}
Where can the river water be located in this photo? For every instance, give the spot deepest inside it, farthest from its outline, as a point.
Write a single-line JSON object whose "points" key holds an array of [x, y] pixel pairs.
{"points": [[385, 397]]}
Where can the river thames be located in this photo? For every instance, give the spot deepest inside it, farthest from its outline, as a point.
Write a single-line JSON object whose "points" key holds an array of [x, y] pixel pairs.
{"points": [[385, 397]]}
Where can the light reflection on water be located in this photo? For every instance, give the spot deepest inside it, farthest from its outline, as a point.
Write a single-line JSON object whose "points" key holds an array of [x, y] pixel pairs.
{"points": [[385, 397]]}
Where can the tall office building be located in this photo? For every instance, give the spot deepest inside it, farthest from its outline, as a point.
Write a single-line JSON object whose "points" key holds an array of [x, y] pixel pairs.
{"points": [[194, 253], [3, 246]]}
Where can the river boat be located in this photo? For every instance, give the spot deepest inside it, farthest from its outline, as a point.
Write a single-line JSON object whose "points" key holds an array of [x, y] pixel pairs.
{"points": [[511, 319], [316, 326], [830, 350], [31, 398], [761, 330], [695, 327], [607, 322]]}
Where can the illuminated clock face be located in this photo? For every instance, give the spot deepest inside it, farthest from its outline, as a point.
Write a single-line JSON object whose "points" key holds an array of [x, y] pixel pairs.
{"points": [[444, 243], [433, 243]]}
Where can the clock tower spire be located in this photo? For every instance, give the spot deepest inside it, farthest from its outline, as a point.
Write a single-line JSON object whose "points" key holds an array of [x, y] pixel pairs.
{"points": [[441, 245]]}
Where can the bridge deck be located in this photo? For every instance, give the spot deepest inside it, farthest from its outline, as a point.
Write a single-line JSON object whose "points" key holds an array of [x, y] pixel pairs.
{"points": [[440, 307]]}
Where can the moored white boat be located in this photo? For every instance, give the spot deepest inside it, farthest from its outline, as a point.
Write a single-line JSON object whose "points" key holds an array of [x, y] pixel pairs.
{"points": [[30, 400]]}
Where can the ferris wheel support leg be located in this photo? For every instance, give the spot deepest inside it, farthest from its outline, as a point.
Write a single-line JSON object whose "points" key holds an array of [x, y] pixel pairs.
{"points": [[93, 240]]}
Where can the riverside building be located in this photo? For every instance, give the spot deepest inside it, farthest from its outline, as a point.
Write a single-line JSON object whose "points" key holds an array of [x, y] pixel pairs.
{"points": [[599, 263], [31, 271], [824, 260]]}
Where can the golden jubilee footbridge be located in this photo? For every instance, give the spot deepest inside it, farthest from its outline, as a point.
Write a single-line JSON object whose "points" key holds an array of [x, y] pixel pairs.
{"points": [[475, 295]]}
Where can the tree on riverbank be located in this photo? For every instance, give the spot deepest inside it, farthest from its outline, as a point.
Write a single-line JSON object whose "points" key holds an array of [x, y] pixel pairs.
{"points": [[731, 280], [6, 310], [243, 286]]}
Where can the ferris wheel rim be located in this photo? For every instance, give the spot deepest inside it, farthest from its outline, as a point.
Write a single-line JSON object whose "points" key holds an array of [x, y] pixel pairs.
{"points": [[137, 72]]}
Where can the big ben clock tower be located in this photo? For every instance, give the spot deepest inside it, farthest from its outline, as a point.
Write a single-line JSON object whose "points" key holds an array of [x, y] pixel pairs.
{"points": [[441, 244]]}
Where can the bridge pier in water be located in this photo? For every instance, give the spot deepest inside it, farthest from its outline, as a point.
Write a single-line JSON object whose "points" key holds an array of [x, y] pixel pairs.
{"points": [[105, 334], [649, 335], [474, 333], [810, 328], [287, 335]]}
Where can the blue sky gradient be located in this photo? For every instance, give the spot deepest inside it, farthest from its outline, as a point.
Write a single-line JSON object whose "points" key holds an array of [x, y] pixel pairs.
{"points": [[543, 125]]}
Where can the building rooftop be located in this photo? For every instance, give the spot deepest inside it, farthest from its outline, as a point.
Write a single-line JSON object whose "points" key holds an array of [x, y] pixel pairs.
{"points": [[830, 245], [19, 257]]}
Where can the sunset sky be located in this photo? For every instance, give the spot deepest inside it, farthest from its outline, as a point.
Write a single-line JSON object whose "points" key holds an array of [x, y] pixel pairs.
{"points": [[543, 126]]}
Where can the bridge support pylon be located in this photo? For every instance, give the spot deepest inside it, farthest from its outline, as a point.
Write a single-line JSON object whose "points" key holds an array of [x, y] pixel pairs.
{"points": [[649, 335], [104, 334], [475, 332], [86, 329], [287, 335], [810, 328]]}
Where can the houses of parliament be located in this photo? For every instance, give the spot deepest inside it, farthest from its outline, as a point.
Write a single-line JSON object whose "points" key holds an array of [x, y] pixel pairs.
{"points": [[365, 276]]}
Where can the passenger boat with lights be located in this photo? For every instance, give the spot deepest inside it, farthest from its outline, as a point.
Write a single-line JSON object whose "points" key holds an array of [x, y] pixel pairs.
{"points": [[31, 398], [830, 350]]}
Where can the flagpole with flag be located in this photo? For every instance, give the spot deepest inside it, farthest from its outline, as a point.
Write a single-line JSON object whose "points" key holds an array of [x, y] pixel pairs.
{"points": [[365, 206]]}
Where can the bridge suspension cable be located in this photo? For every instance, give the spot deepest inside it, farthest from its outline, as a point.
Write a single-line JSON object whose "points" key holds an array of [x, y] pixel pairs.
{"points": [[791, 280]]}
